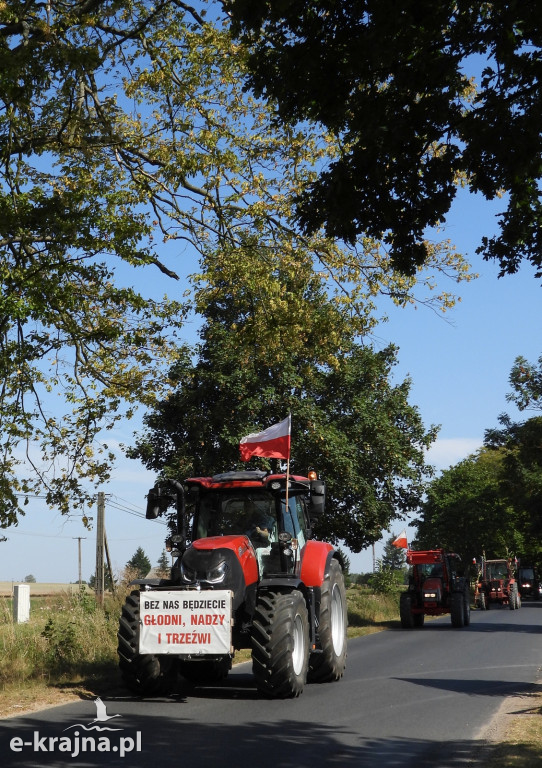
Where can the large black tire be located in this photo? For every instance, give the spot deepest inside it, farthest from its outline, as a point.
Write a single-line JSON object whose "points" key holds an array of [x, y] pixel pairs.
{"points": [[280, 644], [466, 607], [418, 619], [330, 663], [144, 674], [514, 601], [457, 609], [205, 672], [405, 611]]}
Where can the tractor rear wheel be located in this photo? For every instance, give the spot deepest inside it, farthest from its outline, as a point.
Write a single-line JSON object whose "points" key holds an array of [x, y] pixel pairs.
{"points": [[330, 663], [457, 609], [280, 644], [144, 674], [405, 611]]}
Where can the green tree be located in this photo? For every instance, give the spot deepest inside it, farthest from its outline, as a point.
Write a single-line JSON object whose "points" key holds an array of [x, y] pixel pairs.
{"points": [[164, 564], [109, 583], [259, 360], [124, 127], [30, 579], [526, 380], [393, 558], [394, 81], [140, 563], [520, 445], [468, 511]]}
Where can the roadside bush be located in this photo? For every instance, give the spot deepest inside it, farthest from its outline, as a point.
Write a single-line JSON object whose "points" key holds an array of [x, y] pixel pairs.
{"points": [[386, 580], [68, 636]]}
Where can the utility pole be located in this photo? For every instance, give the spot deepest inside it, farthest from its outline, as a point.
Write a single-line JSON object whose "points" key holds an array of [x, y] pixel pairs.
{"points": [[79, 558], [100, 546], [109, 568]]}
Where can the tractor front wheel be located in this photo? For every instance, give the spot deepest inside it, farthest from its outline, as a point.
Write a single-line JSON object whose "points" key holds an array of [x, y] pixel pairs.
{"points": [[514, 599], [329, 664], [143, 674], [280, 644], [405, 611], [457, 609]]}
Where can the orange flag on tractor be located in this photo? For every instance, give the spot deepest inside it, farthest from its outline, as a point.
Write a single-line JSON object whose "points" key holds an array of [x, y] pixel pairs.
{"points": [[401, 540], [273, 442]]}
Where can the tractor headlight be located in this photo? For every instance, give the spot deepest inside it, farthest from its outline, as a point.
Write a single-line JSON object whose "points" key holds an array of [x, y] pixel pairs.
{"points": [[218, 574], [187, 573], [430, 595]]}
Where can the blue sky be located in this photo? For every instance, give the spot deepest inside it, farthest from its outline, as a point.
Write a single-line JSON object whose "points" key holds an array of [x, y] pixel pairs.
{"points": [[459, 365]]}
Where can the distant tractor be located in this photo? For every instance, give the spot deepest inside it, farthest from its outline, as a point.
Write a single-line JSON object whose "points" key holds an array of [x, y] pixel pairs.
{"points": [[496, 585], [528, 582], [434, 589]]}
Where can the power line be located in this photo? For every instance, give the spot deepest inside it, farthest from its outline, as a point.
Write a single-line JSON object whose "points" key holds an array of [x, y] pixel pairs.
{"points": [[131, 511]]}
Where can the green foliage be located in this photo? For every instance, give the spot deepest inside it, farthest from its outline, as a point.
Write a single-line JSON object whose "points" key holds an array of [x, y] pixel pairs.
{"points": [[139, 563], [520, 445], [63, 644], [463, 511], [407, 112], [491, 501], [526, 379], [126, 139], [258, 361], [164, 564], [385, 580]]}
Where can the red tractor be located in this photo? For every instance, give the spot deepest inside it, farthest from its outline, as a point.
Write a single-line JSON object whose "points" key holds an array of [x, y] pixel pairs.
{"points": [[250, 575], [434, 589], [496, 584]]}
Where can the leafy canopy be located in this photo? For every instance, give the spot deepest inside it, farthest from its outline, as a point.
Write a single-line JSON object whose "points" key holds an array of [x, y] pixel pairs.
{"points": [[127, 141], [277, 345], [394, 83], [526, 381]]}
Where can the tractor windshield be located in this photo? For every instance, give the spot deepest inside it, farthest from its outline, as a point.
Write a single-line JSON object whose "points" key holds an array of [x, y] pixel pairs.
{"points": [[496, 570], [429, 570], [236, 512]]}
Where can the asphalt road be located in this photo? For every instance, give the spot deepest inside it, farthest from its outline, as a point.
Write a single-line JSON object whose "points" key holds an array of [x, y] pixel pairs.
{"points": [[408, 699]]}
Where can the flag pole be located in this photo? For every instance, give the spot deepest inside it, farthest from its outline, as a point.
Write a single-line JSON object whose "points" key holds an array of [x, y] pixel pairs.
{"points": [[288, 459]]}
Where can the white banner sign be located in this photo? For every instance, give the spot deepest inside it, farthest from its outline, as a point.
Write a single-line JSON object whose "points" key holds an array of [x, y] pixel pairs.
{"points": [[187, 622]]}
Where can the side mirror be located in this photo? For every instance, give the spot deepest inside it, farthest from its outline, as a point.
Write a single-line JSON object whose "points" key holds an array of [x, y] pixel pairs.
{"points": [[317, 501], [157, 502]]}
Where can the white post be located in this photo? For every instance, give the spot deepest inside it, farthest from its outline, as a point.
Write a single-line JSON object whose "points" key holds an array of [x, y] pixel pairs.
{"points": [[21, 603]]}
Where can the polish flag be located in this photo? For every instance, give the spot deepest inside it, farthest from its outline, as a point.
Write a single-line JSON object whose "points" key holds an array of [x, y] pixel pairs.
{"points": [[401, 540], [273, 442]]}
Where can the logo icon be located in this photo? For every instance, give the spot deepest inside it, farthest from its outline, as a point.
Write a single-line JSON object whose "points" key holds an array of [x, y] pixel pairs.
{"points": [[101, 717]]}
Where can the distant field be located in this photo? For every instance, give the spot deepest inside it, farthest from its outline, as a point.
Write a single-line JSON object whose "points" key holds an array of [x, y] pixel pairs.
{"points": [[40, 588]]}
